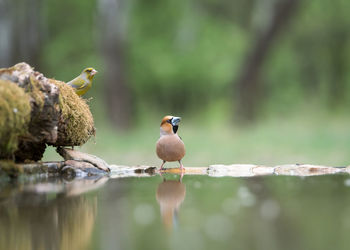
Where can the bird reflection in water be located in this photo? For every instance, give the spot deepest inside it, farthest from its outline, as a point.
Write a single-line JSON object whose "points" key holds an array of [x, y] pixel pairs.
{"points": [[170, 195]]}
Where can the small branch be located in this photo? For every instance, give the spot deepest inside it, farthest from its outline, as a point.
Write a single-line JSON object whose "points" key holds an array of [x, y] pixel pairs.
{"points": [[70, 154]]}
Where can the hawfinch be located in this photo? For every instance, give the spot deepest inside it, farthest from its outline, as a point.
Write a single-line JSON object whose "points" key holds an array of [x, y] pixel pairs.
{"points": [[170, 147]]}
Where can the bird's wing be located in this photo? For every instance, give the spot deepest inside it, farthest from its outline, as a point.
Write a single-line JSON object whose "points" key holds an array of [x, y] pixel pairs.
{"points": [[82, 86], [77, 83]]}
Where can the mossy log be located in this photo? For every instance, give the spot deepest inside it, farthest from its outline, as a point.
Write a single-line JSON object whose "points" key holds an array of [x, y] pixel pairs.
{"points": [[36, 111]]}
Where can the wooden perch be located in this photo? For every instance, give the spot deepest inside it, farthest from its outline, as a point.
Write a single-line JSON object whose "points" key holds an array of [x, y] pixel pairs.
{"points": [[234, 170], [79, 164]]}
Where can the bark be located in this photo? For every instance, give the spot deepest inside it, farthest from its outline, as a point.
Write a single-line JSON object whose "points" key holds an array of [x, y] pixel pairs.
{"points": [[249, 83]]}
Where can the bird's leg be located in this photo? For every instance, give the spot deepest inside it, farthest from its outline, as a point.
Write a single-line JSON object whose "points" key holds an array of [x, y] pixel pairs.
{"points": [[181, 166], [181, 176], [161, 167]]}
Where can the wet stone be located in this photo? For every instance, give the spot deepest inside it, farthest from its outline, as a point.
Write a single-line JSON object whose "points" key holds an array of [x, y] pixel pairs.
{"points": [[80, 168]]}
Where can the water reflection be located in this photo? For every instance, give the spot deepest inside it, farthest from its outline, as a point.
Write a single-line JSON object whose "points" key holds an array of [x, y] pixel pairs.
{"points": [[266, 213], [48, 215], [170, 195]]}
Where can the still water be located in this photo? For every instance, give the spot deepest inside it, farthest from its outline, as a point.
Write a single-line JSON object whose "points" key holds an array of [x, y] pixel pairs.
{"points": [[163, 212]]}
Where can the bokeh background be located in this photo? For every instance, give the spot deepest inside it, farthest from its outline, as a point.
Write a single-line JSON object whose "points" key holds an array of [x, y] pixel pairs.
{"points": [[255, 81]]}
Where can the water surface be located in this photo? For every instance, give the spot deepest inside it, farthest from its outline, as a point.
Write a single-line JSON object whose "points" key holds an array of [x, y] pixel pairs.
{"points": [[201, 212]]}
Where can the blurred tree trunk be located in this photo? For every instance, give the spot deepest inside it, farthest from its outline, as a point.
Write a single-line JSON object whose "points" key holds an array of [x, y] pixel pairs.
{"points": [[248, 86], [339, 41], [20, 32], [112, 17], [338, 44]]}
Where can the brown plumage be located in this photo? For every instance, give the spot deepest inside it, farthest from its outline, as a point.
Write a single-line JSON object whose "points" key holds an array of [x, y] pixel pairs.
{"points": [[170, 195], [170, 147]]}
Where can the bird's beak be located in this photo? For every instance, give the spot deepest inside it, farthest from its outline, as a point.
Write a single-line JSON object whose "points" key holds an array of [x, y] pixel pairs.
{"points": [[175, 121], [94, 72]]}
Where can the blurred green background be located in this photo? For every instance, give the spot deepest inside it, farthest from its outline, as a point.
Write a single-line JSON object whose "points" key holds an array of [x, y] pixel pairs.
{"points": [[255, 81]]}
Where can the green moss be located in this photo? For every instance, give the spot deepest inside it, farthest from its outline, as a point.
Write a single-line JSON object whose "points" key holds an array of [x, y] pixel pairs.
{"points": [[76, 123], [14, 116]]}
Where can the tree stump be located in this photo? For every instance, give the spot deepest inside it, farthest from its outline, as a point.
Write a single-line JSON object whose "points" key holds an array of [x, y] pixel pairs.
{"points": [[36, 111]]}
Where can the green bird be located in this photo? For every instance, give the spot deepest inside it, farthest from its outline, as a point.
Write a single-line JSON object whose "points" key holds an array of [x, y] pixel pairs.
{"points": [[83, 82]]}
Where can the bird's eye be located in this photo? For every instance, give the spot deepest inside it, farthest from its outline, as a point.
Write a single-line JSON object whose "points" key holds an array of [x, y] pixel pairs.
{"points": [[89, 70], [169, 121]]}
